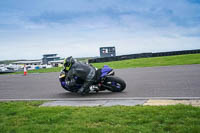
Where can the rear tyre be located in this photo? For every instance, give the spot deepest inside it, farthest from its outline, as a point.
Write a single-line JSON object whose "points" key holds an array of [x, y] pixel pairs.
{"points": [[114, 84]]}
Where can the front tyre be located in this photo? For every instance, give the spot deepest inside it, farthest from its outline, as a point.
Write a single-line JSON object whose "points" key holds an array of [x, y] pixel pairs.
{"points": [[114, 84]]}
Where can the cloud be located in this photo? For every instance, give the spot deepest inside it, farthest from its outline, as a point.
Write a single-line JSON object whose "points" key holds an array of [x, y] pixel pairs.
{"points": [[132, 26]]}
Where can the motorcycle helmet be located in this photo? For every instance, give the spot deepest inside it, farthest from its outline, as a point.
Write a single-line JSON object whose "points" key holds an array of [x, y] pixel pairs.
{"points": [[68, 62]]}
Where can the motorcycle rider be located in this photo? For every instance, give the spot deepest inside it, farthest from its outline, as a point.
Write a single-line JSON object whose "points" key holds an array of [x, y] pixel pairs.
{"points": [[76, 71]]}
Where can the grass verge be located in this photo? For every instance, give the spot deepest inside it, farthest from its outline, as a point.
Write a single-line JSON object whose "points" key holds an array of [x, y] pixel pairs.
{"points": [[26, 117], [153, 61]]}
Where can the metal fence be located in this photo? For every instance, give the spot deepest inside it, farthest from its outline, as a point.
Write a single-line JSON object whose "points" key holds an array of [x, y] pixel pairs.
{"points": [[143, 55]]}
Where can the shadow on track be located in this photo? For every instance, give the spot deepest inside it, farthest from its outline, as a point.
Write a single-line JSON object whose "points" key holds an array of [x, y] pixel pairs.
{"points": [[90, 95]]}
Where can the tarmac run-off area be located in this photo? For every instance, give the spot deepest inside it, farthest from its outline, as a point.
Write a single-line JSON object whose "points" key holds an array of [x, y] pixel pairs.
{"points": [[156, 83]]}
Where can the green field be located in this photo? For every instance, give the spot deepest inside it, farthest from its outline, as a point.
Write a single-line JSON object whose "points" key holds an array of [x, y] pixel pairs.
{"points": [[44, 70], [27, 117], [141, 62], [152, 62]]}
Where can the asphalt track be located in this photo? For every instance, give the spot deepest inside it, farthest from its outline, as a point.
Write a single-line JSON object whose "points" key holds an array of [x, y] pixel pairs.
{"points": [[151, 82]]}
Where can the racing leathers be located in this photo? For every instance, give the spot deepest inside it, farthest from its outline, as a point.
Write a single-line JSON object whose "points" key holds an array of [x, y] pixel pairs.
{"points": [[79, 72]]}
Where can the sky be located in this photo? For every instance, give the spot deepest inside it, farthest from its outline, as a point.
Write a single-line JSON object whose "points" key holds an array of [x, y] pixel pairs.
{"points": [[31, 28]]}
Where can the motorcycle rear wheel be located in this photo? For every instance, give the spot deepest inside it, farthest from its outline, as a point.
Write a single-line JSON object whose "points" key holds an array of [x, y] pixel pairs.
{"points": [[115, 84]]}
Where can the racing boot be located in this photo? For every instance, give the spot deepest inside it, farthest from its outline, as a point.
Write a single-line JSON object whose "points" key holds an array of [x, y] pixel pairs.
{"points": [[85, 88]]}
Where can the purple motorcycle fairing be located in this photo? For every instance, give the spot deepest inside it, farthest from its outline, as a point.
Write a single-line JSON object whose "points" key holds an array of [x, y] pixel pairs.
{"points": [[105, 70]]}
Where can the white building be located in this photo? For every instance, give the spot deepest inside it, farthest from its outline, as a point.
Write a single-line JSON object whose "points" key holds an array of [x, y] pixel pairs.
{"points": [[57, 63]]}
